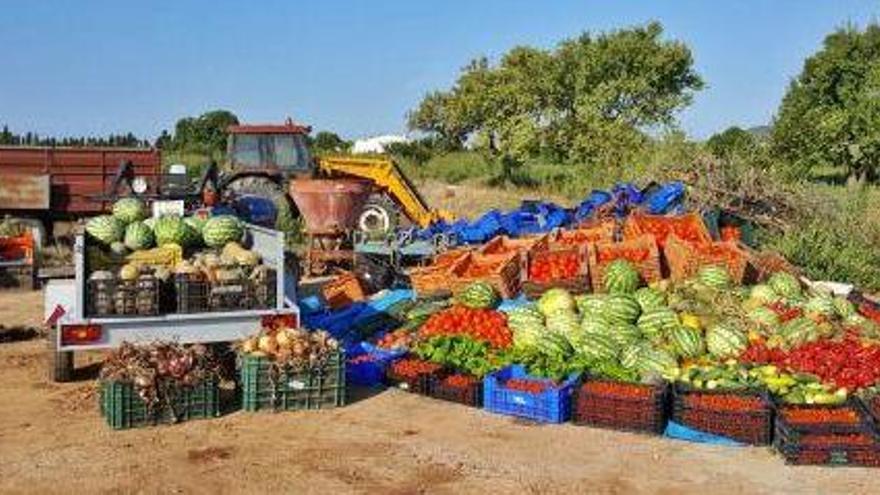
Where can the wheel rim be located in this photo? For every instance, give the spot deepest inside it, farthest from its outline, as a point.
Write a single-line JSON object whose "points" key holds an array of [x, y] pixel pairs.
{"points": [[374, 220]]}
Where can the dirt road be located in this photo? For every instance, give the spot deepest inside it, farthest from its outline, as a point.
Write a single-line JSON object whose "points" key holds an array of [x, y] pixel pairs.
{"points": [[53, 441]]}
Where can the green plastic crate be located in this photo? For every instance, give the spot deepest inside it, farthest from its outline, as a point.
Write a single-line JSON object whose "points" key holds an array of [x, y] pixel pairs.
{"points": [[292, 390], [123, 408]]}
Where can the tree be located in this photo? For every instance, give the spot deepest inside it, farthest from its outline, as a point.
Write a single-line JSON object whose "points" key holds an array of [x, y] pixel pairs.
{"points": [[590, 99], [205, 133], [831, 112], [329, 142], [732, 141]]}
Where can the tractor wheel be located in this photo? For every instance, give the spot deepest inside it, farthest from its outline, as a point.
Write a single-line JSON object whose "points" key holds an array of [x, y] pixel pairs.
{"points": [[379, 216]]}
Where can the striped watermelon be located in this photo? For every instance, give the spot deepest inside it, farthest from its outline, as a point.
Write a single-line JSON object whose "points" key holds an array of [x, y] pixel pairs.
{"points": [[764, 317], [527, 336], [725, 341], [650, 298], [222, 229], [478, 295], [597, 347], [785, 284], [764, 294], [138, 236], [595, 324], [621, 308], [554, 344], [843, 307], [687, 342], [631, 354], [172, 230], [523, 316], [563, 322], [715, 276], [656, 322], [821, 305], [656, 361], [621, 277], [590, 304], [625, 334], [555, 299], [105, 229], [798, 331], [128, 210]]}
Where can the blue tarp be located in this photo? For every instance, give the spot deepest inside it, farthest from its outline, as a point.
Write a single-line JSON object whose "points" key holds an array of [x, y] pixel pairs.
{"points": [[682, 432]]}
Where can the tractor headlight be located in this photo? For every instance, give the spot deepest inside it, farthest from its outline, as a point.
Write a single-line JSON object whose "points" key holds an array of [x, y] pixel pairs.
{"points": [[139, 185]]}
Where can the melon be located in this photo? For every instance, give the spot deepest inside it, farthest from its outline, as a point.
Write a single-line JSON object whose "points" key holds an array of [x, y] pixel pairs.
{"points": [[724, 341], [138, 236], [172, 230], [622, 308], [656, 322], [128, 210], [478, 295], [764, 294], [621, 277], [715, 276], [590, 304], [650, 298], [105, 229], [686, 341], [222, 229], [555, 299], [785, 284]]}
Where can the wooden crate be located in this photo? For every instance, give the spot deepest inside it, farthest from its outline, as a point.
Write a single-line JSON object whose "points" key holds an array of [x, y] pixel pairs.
{"points": [[603, 253], [685, 260], [502, 273], [689, 227]]}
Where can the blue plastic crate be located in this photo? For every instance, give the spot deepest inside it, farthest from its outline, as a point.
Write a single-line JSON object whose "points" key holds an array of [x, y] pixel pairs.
{"points": [[369, 373], [550, 406]]}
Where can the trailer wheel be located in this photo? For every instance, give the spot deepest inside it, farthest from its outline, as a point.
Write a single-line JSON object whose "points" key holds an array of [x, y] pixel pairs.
{"points": [[60, 362], [379, 216]]}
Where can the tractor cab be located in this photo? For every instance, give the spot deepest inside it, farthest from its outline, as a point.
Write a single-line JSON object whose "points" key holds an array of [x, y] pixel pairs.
{"points": [[270, 149]]}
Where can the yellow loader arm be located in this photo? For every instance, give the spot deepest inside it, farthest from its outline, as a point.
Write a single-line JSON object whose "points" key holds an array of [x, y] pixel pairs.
{"points": [[385, 175]]}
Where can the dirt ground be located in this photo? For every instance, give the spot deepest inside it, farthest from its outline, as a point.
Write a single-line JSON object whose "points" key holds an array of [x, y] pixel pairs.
{"points": [[52, 440]]}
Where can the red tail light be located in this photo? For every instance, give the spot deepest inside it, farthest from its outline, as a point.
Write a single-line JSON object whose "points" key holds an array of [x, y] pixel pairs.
{"points": [[80, 334], [280, 321]]}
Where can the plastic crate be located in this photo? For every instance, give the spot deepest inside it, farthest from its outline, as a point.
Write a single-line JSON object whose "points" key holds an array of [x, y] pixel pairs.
{"points": [[646, 414], [604, 253], [266, 388], [862, 422], [472, 395], [122, 407], [191, 292], [871, 407], [797, 450], [369, 373], [550, 406], [753, 426], [418, 384], [139, 297]]}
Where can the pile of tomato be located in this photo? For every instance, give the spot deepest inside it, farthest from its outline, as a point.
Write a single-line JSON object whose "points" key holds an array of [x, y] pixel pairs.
{"points": [[549, 266], [730, 233], [526, 385], [412, 368], [813, 415], [459, 380], [785, 313], [725, 402], [619, 390], [846, 363], [481, 269], [686, 229], [396, 339], [486, 325], [621, 251]]}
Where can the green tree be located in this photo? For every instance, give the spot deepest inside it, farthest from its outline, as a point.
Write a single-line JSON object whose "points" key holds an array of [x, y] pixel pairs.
{"points": [[830, 115], [205, 133], [590, 99], [732, 141], [329, 142]]}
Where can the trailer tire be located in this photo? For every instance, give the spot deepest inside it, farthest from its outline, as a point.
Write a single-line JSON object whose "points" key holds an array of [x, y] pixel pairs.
{"points": [[60, 362], [378, 216]]}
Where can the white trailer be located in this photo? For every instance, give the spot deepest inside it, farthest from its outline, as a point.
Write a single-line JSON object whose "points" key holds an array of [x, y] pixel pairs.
{"points": [[71, 330]]}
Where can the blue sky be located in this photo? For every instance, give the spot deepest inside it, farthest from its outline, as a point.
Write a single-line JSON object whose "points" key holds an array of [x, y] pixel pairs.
{"points": [[356, 67]]}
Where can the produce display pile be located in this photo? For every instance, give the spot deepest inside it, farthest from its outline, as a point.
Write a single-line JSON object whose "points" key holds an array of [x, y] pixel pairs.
{"points": [[147, 266]]}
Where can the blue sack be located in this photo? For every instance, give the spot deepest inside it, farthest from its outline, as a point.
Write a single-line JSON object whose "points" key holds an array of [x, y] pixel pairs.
{"points": [[682, 432]]}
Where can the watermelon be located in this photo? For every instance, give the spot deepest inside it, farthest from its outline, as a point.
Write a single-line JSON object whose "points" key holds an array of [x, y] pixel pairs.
{"points": [[173, 230], [725, 341], [797, 331], [527, 336], [630, 355], [150, 222], [105, 229], [656, 322], [764, 294], [715, 276], [563, 322], [650, 298], [595, 324], [222, 229], [554, 344], [621, 308], [764, 317], [597, 347], [118, 249], [654, 361], [478, 295], [621, 277], [590, 304], [843, 307], [525, 316], [128, 210], [785, 284], [820, 305], [138, 236], [555, 299], [686, 341], [197, 221], [625, 334]]}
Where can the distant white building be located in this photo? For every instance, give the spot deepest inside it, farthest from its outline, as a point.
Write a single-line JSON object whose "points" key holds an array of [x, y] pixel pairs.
{"points": [[376, 144]]}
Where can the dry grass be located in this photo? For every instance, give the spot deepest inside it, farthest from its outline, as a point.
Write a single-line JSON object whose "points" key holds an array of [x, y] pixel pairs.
{"points": [[471, 199]]}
